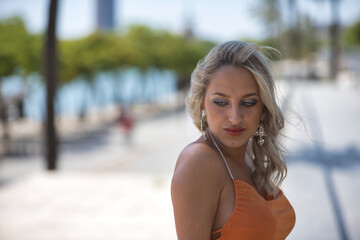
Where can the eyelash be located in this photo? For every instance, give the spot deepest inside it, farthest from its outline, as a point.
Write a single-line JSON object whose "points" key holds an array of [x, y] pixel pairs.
{"points": [[246, 103], [249, 103], [220, 103]]}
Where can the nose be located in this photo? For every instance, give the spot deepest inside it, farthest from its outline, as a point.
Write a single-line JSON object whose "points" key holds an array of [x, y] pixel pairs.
{"points": [[234, 115]]}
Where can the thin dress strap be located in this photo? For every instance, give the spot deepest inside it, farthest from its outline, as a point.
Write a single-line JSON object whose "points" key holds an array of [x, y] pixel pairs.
{"points": [[222, 155]]}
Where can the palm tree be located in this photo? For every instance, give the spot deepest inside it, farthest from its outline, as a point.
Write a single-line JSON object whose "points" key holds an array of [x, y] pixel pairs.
{"points": [[50, 70], [334, 39]]}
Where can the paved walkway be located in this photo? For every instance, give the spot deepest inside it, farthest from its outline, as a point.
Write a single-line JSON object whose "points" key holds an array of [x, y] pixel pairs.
{"points": [[323, 181], [108, 190], [105, 189]]}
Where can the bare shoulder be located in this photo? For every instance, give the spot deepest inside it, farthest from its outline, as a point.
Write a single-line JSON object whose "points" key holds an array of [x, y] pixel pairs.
{"points": [[195, 189], [198, 160]]}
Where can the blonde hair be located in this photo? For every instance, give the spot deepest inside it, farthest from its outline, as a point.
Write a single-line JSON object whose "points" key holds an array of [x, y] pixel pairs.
{"points": [[269, 166]]}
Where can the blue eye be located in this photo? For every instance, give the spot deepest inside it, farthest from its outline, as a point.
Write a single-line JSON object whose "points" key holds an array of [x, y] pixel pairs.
{"points": [[249, 103], [220, 102]]}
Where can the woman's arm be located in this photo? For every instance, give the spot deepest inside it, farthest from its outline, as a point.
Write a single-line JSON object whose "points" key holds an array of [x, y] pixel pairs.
{"points": [[195, 191]]}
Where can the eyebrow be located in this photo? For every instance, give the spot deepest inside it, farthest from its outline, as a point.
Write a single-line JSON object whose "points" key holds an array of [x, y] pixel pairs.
{"points": [[227, 96]]}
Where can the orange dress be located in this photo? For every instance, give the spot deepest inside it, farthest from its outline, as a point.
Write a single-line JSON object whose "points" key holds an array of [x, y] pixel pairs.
{"points": [[257, 218]]}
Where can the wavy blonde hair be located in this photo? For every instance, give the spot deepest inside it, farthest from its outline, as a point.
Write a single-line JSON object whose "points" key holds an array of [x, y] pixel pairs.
{"points": [[269, 166]]}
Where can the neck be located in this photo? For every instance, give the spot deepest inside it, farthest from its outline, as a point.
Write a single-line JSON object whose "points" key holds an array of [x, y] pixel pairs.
{"points": [[231, 154], [237, 154]]}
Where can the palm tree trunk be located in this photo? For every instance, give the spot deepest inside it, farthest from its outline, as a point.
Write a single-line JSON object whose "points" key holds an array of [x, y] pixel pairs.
{"points": [[334, 39], [50, 76], [3, 117]]}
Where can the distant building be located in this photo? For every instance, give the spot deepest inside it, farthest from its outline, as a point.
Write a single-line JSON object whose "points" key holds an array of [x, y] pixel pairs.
{"points": [[105, 15]]}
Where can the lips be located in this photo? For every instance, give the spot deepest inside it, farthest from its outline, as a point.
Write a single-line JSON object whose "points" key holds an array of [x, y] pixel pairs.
{"points": [[234, 131]]}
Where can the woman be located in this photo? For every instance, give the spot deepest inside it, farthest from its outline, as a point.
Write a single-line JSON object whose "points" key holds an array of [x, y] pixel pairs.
{"points": [[226, 183]]}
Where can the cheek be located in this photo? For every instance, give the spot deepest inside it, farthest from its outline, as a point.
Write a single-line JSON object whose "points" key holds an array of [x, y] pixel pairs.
{"points": [[258, 110], [214, 114], [253, 118]]}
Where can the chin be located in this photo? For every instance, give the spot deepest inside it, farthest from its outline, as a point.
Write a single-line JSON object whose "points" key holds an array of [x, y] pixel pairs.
{"points": [[234, 143]]}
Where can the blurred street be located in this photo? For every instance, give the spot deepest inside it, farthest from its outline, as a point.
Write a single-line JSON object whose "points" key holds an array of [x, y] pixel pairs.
{"points": [[323, 182], [107, 188]]}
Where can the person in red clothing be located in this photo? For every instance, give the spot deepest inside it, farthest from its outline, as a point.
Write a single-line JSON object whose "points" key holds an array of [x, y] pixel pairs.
{"points": [[226, 183], [126, 123]]}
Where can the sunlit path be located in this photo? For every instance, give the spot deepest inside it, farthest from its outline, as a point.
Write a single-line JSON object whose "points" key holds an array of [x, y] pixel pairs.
{"points": [[122, 191]]}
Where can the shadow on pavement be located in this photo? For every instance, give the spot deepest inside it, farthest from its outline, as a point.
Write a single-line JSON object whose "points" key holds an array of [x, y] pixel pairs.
{"points": [[80, 142], [83, 142], [329, 160], [340, 159]]}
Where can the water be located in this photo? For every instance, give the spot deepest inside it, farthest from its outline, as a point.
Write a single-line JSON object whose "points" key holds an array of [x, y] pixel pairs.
{"points": [[79, 96]]}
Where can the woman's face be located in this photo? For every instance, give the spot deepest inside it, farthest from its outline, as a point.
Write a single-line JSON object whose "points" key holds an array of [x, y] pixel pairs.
{"points": [[233, 106]]}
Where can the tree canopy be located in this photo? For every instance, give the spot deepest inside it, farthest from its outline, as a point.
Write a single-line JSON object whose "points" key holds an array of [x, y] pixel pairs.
{"points": [[19, 51], [138, 46], [352, 35]]}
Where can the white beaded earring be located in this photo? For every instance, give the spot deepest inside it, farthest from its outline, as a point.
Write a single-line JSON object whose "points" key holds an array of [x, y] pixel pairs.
{"points": [[202, 122]]}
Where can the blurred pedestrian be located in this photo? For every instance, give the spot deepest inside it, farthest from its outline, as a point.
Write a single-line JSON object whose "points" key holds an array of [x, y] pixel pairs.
{"points": [[226, 183], [126, 123]]}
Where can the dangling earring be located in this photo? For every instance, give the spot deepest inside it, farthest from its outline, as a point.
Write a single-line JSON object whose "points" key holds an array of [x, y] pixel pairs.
{"points": [[202, 122], [260, 133]]}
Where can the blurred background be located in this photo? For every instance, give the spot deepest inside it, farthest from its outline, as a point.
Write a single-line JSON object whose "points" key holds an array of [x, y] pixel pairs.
{"points": [[92, 110]]}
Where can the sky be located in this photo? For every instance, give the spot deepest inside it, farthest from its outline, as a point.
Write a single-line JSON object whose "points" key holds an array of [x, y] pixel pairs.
{"points": [[213, 20]]}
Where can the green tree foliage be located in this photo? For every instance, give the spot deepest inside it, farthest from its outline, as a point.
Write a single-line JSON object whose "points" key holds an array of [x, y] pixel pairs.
{"points": [[301, 38], [141, 40], [352, 36], [186, 54], [95, 53], [295, 37], [84, 57], [268, 12], [19, 54], [139, 46], [19, 51], [299, 41]]}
